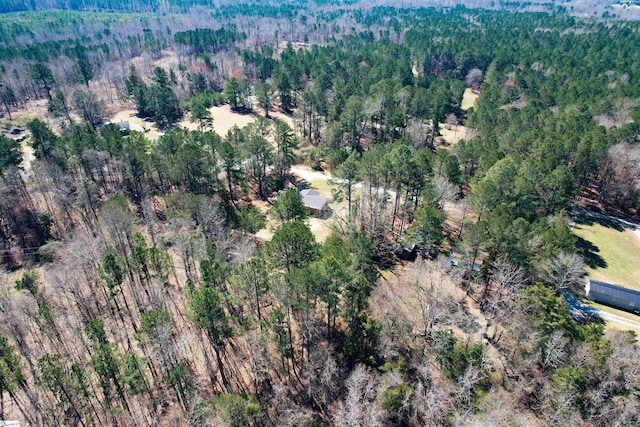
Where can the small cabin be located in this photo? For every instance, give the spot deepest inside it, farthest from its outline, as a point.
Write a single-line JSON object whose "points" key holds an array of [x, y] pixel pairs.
{"points": [[314, 201], [613, 295]]}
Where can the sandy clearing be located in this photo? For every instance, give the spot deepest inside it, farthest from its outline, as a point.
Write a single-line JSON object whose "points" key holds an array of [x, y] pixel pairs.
{"points": [[27, 157], [319, 228], [519, 105], [224, 119], [452, 134], [284, 117], [307, 173], [265, 234], [469, 99]]}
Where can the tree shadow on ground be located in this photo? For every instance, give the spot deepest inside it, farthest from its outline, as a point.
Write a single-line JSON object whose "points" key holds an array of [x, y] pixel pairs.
{"points": [[588, 220], [593, 314], [589, 253]]}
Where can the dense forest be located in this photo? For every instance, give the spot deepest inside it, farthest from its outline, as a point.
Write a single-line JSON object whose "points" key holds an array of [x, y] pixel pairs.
{"points": [[136, 284], [287, 7]]}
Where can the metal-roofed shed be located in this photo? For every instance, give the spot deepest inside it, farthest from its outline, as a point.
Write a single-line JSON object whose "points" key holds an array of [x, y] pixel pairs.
{"points": [[125, 127], [613, 295]]}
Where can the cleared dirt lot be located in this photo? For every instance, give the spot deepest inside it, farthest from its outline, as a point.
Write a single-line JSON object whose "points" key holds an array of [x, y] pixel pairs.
{"points": [[451, 134], [223, 120], [469, 98]]}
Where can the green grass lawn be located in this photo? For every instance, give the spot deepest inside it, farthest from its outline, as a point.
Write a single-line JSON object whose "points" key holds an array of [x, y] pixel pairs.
{"points": [[608, 309], [20, 121], [613, 255], [322, 186]]}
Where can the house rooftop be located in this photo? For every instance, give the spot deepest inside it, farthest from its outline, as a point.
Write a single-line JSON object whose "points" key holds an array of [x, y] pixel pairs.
{"points": [[309, 192], [313, 200]]}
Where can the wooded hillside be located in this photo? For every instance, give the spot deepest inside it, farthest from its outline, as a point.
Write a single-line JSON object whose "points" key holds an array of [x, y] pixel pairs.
{"points": [[135, 288]]}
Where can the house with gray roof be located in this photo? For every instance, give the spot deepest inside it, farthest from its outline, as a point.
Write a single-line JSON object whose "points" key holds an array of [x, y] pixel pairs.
{"points": [[314, 201]]}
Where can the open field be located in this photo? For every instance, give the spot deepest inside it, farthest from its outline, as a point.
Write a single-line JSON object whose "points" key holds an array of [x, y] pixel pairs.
{"points": [[613, 253], [223, 120], [322, 186]]}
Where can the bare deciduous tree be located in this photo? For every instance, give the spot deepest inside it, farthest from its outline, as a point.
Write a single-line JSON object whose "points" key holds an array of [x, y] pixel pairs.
{"points": [[360, 407], [620, 175], [507, 280], [474, 78], [431, 295], [89, 107], [467, 383], [432, 403], [444, 191], [554, 353], [564, 271]]}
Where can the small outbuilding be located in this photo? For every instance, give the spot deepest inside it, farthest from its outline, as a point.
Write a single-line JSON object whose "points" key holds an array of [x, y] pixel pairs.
{"points": [[314, 201], [124, 127], [613, 295]]}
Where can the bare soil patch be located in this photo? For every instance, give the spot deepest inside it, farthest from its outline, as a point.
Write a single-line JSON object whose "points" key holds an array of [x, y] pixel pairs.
{"points": [[32, 110], [27, 157], [224, 118], [450, 135], [320, 229], [469, 99], [519, 105]]}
